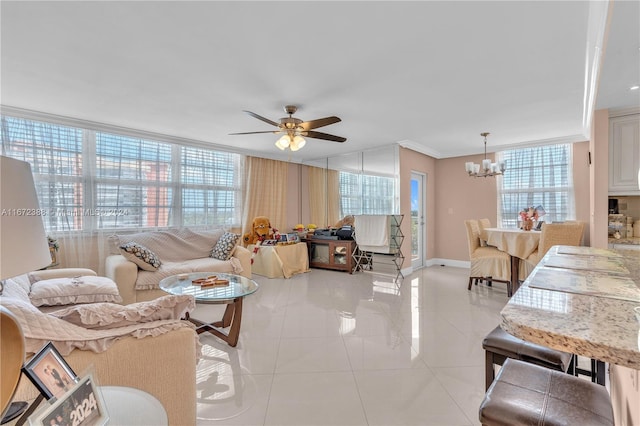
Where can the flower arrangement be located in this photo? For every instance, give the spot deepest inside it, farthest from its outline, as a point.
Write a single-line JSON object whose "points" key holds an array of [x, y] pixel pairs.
{"points": [[530, 213]]}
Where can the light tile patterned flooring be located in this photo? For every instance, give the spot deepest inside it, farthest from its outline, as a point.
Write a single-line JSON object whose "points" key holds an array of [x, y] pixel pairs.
{"points": [[329, 348]]}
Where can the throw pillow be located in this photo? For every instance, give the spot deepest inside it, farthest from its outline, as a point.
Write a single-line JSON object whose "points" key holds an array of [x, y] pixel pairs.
{"points": [[141, 256], [225, 246], [68, 291]]}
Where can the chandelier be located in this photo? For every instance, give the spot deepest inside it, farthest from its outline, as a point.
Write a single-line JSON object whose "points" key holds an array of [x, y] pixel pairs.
{"points": [[487, 168]]}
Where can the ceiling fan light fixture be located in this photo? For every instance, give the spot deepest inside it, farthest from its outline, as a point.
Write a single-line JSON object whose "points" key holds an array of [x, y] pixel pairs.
{"points": [[297, 143], [293, 129], [299, 140], [283, 142]]}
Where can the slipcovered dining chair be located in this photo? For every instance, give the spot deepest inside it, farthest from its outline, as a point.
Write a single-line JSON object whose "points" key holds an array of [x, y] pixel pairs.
{"points": [[482, 225], [566, 234], [487, 263]]}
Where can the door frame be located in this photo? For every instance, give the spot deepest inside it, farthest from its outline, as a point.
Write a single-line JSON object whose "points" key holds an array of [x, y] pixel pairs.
{"points": [[421, 178]]}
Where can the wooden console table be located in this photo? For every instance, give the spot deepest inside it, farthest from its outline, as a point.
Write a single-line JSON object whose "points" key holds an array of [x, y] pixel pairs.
{"points": [[331, 254]]}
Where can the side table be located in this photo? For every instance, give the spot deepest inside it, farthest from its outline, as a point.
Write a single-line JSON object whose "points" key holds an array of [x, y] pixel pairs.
{"points": [[125, 406], [130, 406]]}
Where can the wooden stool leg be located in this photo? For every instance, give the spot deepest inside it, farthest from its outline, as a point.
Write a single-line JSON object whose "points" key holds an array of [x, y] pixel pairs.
{"points": [[489, 372]]}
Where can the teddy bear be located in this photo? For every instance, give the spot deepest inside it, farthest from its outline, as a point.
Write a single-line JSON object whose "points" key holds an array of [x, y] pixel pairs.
{"points": [[260, 230]]}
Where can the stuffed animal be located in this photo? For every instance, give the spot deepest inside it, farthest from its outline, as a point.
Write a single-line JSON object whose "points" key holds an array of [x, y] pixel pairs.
{"points": [[347, 220], [261, 230]]}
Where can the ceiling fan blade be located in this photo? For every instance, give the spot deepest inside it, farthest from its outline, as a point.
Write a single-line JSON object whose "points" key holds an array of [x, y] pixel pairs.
{"points": [[325, 136], [259, 117], [252, 133], [320, 122]]}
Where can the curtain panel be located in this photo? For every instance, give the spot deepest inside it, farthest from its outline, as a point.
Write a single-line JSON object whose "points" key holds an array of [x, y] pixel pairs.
{"points": [[324, 196], [265, 192]]}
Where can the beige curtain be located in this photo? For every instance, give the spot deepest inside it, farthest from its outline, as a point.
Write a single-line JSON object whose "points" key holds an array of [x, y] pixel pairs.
{"points": [[265, 192], [324, 197]]}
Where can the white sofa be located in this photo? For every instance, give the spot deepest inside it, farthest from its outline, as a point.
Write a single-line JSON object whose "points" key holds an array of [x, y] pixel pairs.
{"points": [[179, 251], [157, 355]]}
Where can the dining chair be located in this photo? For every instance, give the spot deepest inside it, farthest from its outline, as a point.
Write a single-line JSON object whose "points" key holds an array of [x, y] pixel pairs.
{"points": [[483, 224], [487, 263], [552, 234]]}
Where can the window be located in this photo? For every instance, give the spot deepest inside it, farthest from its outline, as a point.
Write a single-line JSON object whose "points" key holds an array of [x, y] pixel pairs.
{"points": [[90, 179], [539, 176], [366, 194]]}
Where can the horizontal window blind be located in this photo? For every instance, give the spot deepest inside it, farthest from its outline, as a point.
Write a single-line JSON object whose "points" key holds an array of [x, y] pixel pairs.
{"points": [[211, 187], [366, 194], [53, 151], [538, 176], [90, 180]]}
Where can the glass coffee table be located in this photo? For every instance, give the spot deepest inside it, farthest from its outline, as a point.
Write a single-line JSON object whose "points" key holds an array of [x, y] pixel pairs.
{"points": [[231, 294]]}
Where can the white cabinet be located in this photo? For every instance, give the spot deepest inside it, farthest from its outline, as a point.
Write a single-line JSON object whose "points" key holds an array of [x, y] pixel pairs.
{"points": [[624, 155]]}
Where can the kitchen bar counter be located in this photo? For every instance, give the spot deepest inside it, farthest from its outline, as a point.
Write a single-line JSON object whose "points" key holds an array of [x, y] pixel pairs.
{"points": [[633, 241], [581, 300]]}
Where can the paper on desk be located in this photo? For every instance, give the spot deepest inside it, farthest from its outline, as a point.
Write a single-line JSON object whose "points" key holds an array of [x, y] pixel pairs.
{"points": [[585, 282], [589, 263]]}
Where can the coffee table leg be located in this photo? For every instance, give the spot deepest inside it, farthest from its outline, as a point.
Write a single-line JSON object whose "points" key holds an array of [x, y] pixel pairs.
{"points": [[232, 317]]}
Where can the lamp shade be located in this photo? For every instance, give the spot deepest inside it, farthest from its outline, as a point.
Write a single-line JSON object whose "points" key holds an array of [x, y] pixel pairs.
{"points": [[23, 241]]}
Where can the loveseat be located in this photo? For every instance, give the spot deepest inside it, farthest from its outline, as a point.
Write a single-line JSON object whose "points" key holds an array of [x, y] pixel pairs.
{"points": [[144, 346], [164, 253]]}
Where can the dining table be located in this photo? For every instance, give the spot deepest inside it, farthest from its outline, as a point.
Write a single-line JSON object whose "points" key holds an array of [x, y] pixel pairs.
{"points": [[581, 300], [519, 244]]}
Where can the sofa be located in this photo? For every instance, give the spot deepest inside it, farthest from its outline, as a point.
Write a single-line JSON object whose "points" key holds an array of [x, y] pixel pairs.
{"points": [[144, 345], [155, 255]]}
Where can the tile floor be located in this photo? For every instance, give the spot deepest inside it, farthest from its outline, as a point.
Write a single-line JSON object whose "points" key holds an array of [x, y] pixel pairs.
{"points": [[329, 348]]}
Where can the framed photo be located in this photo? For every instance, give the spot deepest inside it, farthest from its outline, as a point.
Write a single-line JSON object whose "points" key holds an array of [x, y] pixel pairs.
{"points": [[81, 406], [269, 242], [283, 238], [49, 372], [293, 238]]}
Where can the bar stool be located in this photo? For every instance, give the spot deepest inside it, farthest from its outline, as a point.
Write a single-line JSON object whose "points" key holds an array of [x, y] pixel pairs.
{"points": [[500, 345], [524, 393]]}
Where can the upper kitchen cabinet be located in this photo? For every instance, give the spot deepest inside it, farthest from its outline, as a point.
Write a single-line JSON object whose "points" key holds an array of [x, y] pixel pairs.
{"points": [[624, 155]]}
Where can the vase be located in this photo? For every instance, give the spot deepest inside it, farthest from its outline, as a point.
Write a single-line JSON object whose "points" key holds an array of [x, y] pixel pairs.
{"points": [[527, 225]]}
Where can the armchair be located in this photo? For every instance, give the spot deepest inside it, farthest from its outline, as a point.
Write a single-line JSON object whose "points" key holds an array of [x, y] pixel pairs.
{"points": [[163, 363]]}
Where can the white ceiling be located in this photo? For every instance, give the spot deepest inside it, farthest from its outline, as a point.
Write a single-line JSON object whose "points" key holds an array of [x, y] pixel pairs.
{"points": [[431, 75]]}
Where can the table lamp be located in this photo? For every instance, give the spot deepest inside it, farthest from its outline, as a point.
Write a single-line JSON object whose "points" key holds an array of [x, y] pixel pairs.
{"points": [[23, 248]]}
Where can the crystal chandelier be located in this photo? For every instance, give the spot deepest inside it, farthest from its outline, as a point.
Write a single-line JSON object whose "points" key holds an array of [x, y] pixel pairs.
{"points": [[487, 168]]}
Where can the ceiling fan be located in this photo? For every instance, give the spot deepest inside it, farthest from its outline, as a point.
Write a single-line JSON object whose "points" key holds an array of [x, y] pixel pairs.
{"points": [[295, 129]]}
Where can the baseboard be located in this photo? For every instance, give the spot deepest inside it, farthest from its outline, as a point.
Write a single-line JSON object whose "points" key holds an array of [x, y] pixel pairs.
{"points": [[448, 262]]}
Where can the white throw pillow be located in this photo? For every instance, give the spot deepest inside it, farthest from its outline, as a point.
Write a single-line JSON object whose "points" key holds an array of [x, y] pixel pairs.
{"points": [[69, 291]]}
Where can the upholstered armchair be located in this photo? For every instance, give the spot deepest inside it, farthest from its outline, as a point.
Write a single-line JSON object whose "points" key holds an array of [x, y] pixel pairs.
{"points": [[143, 345]]}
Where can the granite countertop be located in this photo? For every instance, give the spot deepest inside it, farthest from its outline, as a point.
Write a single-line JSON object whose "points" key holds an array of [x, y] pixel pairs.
{"points": [[571, 316], [626, 240]]}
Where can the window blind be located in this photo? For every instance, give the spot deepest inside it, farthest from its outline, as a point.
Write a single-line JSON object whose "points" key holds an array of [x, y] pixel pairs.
{"points": [[88, 180], [52, 150], [538, 176], [366, 194]]}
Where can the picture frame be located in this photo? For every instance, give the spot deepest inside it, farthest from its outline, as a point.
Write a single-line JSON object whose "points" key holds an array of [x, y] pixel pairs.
{"points": [[283, 238], [82, 405], [293, 238], [49, 372]]}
